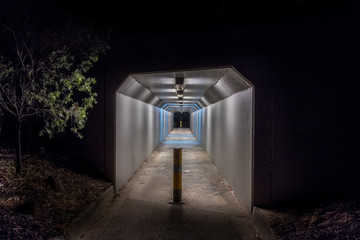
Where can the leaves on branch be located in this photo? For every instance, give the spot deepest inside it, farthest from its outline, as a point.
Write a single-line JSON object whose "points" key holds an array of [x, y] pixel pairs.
{"points": [[44, 61], [48, 77]]}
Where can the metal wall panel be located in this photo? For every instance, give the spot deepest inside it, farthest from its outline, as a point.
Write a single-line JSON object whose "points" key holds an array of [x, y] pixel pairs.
{"points": [[193, 123], [227, 136], [138, 132]]}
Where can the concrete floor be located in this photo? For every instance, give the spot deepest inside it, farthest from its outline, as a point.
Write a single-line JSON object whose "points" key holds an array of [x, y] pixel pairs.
{"points": [[141, 210]]}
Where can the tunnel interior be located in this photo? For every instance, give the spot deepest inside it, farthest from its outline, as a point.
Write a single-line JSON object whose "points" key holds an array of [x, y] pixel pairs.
{"points": [[182, 120], [217, 104]]}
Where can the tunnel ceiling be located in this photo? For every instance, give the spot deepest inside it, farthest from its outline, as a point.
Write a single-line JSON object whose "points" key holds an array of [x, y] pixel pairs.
{"points": [[201, 87]]}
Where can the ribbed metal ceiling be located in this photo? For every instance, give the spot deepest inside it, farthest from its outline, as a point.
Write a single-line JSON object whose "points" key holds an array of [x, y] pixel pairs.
{"points": [[202, 87]]}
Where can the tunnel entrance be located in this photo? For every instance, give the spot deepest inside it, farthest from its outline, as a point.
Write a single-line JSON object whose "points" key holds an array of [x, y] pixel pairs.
{"points": [[216, 104], [181, 120]]}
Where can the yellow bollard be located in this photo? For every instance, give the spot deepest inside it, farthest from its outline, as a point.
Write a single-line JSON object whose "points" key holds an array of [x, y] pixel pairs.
{"points": [[177, 176]]}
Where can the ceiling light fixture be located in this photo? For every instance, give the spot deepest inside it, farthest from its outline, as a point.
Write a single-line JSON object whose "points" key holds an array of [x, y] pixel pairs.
{"points": [[179, 84], [180, 93]]}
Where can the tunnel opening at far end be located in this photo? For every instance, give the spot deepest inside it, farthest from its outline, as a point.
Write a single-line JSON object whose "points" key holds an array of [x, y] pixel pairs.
{"points": [[181, 120], [217, 104]]}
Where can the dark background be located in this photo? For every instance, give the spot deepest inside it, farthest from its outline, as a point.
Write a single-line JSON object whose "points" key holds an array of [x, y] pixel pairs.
{"points": [[184, 117]]}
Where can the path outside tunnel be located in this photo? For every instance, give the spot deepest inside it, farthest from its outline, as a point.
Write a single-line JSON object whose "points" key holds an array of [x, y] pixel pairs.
{"points": [[141, 209]]}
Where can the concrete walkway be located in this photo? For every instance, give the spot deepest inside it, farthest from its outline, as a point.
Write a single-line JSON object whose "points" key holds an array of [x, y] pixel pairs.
{"points": [[141, 209]]}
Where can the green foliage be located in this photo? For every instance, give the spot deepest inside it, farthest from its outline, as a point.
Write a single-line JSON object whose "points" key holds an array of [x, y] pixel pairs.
{"points": [[50, 82], [65, 93], [44, 60]]}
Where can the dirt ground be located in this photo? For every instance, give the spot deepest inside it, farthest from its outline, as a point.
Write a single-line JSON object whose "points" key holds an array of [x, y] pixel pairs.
{"points": [[51, 191], [336, 219]]}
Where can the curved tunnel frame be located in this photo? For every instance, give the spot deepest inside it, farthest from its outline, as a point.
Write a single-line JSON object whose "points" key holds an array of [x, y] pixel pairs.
{"points": [[221, 103]]}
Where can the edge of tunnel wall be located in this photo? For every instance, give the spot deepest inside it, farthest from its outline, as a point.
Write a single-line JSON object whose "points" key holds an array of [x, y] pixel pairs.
{"points": [[140, 127], [226, 133]]}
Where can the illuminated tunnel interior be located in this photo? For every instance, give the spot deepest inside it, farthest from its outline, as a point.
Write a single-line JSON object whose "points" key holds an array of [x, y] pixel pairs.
{"points": [[219, 104]]}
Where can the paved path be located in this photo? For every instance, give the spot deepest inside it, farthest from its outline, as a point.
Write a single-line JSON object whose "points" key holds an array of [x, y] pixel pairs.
{"points": [[141, 209]]}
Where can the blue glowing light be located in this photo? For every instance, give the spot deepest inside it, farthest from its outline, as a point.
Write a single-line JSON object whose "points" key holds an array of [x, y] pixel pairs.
{"points": [[161, 125], [199, 125]]}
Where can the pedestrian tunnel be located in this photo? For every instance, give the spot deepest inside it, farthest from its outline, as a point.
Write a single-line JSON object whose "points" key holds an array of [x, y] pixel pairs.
{"points": [[220, 105]]}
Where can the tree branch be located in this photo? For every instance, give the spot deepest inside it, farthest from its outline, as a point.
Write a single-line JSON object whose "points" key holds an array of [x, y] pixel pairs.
{"points": [[7, 95]]}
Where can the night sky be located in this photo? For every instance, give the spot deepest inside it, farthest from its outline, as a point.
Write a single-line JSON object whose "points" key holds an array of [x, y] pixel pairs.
{"points": [[168, 15]]}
